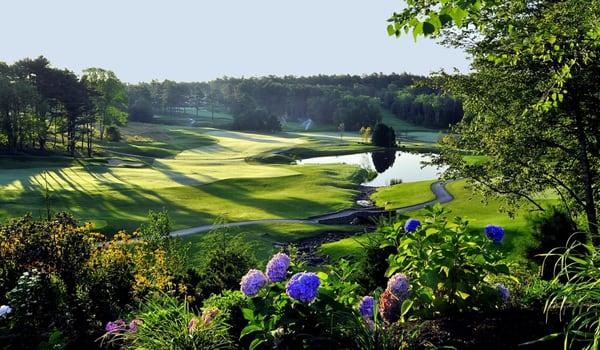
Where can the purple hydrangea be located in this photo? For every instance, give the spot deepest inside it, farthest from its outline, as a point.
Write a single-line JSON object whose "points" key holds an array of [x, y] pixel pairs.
{"points": [[303, 287], [365, 308], [503, 291], [253, 282], [277, 267], [133, 326], [116, 326], [411, 225], [495, 233], [398, 284], [5, 310]]}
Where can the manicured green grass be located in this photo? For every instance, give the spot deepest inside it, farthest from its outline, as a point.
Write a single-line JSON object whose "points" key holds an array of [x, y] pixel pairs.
{"points": [[470, 206], [409, 132], [403, 194], [263, 237]]}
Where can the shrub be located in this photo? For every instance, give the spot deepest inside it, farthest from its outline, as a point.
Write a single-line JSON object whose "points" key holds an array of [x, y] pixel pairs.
{"points": [[551, 229], [165, 321], [225, 259], [383, 136], [450, 268], [577, 293], [141, 111], [230, 305], [113, 134]]}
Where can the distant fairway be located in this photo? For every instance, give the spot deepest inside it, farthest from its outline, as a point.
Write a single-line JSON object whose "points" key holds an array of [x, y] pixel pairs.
{"points": [[198, 174]]}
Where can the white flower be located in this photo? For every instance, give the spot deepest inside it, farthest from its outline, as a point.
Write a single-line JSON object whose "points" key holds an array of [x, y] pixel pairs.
{"points": [[5, 310]]}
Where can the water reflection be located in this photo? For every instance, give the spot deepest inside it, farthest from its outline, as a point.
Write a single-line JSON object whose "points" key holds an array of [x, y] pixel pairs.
{"points": [[383, 160], [390, 165]]}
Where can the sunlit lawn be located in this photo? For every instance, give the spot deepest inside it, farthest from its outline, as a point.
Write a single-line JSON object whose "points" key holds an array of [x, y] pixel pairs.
{"points": [[470, 206], [403, 195]]}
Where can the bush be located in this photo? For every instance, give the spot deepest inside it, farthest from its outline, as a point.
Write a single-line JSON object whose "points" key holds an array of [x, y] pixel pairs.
{"points": [[230, 305], [577, 293], [551, 229], [113, 134], [225, 259], [141, 111], [163, 321], [450, 268], [383, 136]]}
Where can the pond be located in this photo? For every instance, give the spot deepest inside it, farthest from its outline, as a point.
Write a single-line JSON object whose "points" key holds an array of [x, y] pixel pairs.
{"points": [[389, 165]]}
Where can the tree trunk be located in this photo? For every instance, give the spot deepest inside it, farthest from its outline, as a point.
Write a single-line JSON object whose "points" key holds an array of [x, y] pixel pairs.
{"points": [[590, 205]]}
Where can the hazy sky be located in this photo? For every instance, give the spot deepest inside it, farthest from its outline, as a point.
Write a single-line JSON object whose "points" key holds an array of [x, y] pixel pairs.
{"points": [[193, 40]]}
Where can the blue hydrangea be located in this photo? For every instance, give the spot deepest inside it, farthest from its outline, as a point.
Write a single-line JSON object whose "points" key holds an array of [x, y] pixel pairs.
{"points": [[495, 233], [411, 225], [503, 291], [277, 267], [399, 285], [253, 282], [365, 307], [303, 287]]}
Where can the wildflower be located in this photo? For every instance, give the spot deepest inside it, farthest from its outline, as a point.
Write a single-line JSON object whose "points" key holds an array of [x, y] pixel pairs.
{"points": [[503, 291], [495, 233], [303, 287], [5, 310], [133, 325], [277, 267], [389, 306], [117, 326], [253, 282], [208, 315], [192, 325], [398, 284], [411, 225], [365, 308]]}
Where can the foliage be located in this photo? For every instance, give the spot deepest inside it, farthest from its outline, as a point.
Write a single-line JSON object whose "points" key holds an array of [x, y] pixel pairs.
{"points": [[165, 322], [383, 136], [371, 265], [230, 304], [577, 293], [255, 119], [140, 110], [71, 278], [365, 133], [276, 319], [113, 134], [551, 229], [225, 259], [450, 268], [356, 111], [536, 62]]}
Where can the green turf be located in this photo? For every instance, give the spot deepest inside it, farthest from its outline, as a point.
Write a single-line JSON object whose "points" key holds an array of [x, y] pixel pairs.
{"points": [[470, 206], [403, 194], [263, 237]]}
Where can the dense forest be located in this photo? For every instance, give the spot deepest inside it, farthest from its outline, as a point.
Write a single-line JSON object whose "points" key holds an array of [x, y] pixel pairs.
{"points": [[44, 108], [353, 100]]}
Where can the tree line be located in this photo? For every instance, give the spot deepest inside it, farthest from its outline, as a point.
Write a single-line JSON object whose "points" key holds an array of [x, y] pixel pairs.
{"points": [[43, 108], [257, 103]]}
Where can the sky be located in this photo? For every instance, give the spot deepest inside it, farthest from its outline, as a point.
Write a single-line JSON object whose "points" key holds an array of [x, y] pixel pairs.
{"points": [[199, 40]]}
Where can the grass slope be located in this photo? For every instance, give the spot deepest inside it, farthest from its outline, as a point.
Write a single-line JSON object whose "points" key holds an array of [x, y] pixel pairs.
{"points": [[470, 206], [403, 194]]}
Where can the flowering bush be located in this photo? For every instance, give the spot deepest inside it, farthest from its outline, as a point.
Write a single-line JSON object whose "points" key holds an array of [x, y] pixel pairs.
{"points": [[450, 267], [308, 310]]}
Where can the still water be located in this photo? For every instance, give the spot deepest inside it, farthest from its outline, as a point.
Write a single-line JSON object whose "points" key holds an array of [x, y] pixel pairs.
{"points": [[391, 165]]}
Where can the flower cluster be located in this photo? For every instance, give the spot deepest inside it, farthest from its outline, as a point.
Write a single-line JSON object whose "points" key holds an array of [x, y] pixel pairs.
{"points": [[277, 267], [495, 233], [5, 310], [366, 306], [122, 326], [503, 292], [208, 315], [303, 287], [390, 302], [253, 282], [411, 225]]}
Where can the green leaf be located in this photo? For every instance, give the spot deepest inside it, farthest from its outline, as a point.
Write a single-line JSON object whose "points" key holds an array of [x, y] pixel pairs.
{"points": [[458, 15], [248, 314], [251, 328], [428, 28], [256, 342], [391, 30]]}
